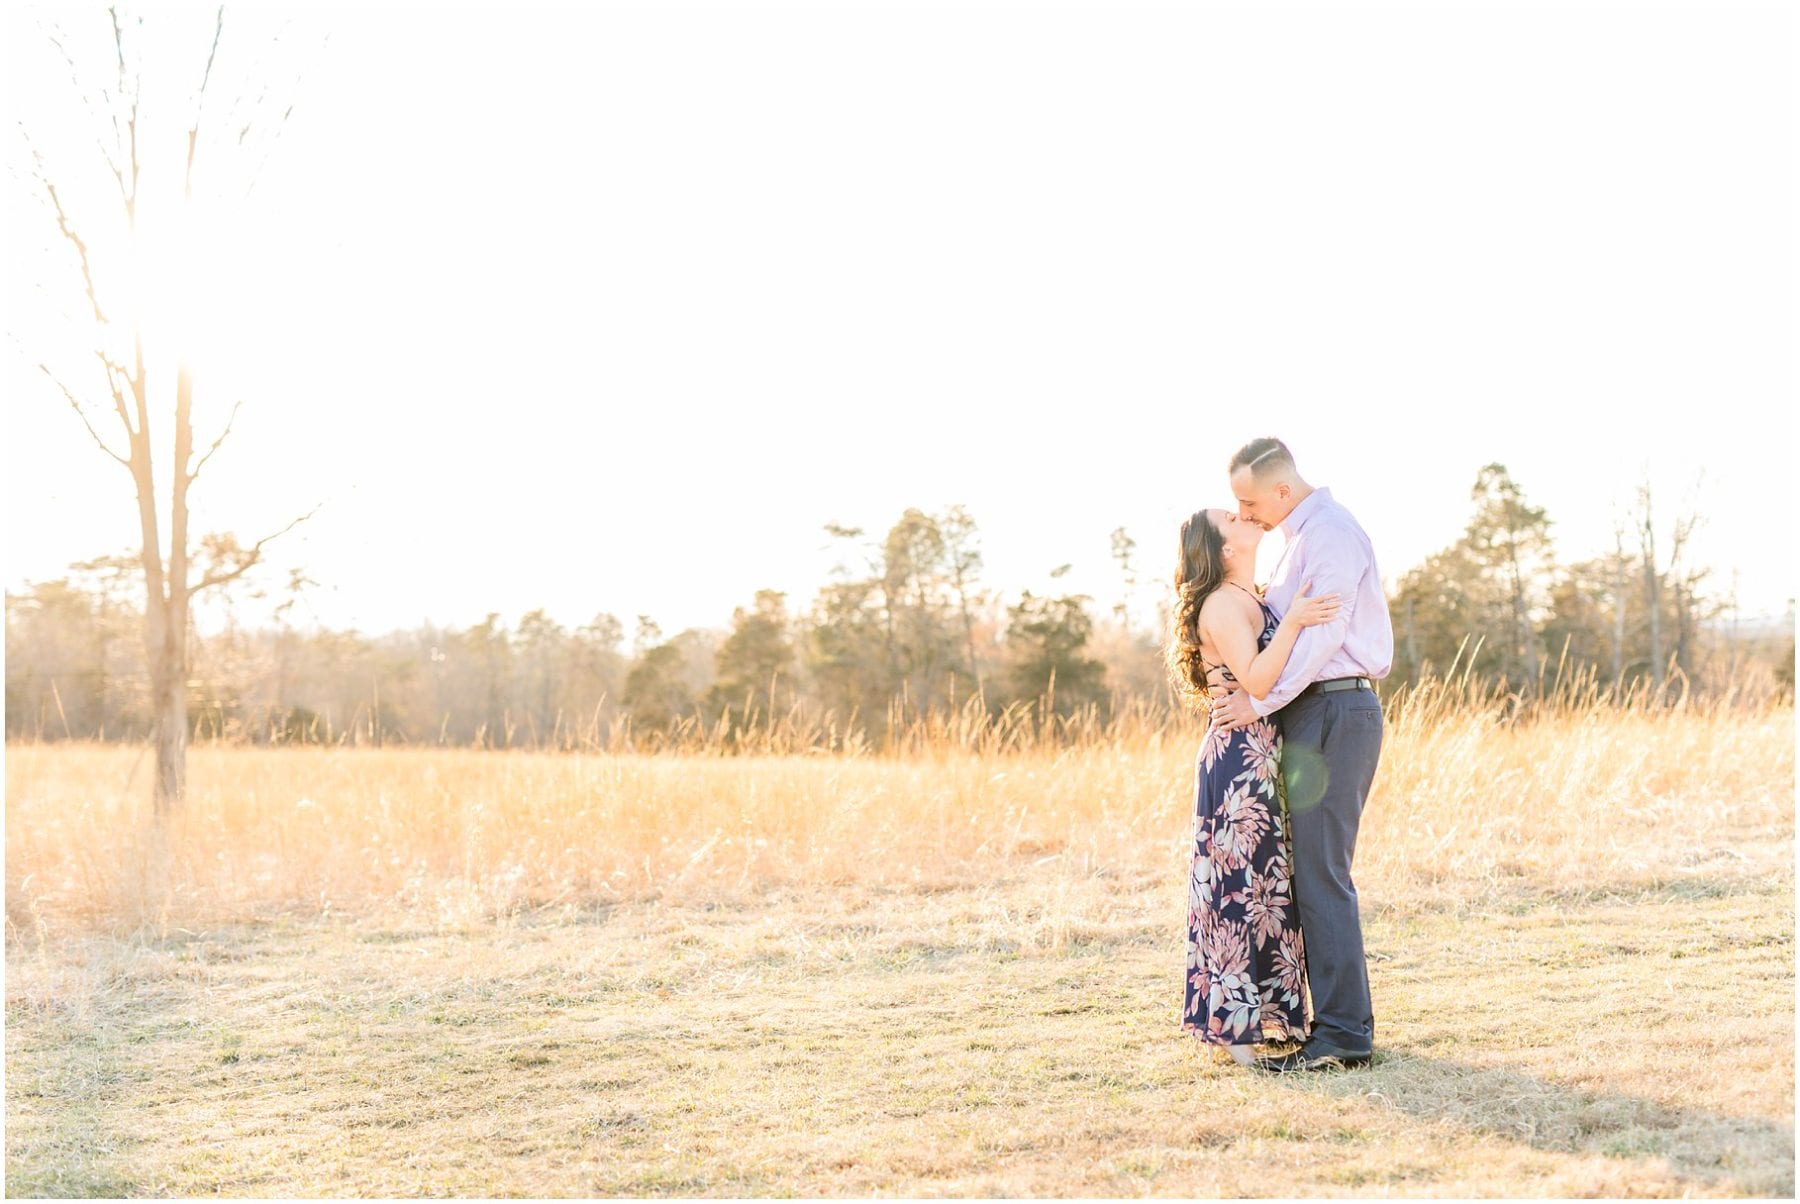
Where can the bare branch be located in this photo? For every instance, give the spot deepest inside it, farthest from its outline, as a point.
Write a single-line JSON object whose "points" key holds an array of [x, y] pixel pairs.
{"points": [[82, 414], [250, 557], [215, 443], [129, 194], [55, 39], [280, 122], [239, 116], [106, 360], [218, 29], [68, 230], [115, 375], [1686, 524], [119, 45], [114, 372], [200, 104]]}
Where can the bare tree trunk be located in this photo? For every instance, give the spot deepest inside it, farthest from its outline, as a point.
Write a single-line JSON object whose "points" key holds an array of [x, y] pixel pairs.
{"points": [[1412, 643], [1619, 587], [959, 533], [962, 601], [1734, 621], [1652, 586], [167, 585], [958, 580], [165, 610], [171, 703], [897, 679], [1684, 585], [1521, 635]]}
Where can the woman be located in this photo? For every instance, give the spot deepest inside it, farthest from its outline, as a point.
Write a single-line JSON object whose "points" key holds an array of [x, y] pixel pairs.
{"points": [[1246, 970]]}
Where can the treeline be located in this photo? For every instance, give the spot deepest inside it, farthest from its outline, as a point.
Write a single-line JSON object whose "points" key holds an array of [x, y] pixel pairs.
{"points": [[905, 629], [1498, 604]]}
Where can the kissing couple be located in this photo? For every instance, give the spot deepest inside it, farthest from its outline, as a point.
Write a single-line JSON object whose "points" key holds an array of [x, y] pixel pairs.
{"points": [[1286, 675]]}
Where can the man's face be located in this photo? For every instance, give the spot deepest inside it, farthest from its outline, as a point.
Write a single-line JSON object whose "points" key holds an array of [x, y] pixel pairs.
{"points": [[1264, 505]]}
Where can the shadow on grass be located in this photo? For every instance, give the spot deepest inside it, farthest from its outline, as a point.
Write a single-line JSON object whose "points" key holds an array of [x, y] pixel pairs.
{"points": [[1711, 1149]]}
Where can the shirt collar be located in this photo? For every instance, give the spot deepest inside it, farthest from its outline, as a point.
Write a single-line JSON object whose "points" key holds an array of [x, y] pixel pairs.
{"points": [[1298, 516]]}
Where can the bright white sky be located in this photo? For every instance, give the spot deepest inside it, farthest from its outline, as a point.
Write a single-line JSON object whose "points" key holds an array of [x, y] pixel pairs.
{"points": [[611, 308]]}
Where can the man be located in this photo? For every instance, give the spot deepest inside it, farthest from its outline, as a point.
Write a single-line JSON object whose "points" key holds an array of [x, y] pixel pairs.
{"points": [[1331, 729]]}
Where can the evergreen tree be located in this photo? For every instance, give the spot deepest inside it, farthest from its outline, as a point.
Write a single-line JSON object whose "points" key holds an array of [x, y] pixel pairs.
{"points": [[656, 690], [1045, 643], [1509, 540], [751, 664]]}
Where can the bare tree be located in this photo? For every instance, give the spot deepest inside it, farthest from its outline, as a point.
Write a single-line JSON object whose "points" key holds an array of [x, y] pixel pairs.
{"points": [[1646, 531], [1681, 586], [964, 563], [1620, 584], [123, 380]]}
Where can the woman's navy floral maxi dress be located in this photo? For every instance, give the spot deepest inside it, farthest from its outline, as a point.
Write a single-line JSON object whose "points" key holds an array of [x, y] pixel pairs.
{"points": [[1246, 965]]}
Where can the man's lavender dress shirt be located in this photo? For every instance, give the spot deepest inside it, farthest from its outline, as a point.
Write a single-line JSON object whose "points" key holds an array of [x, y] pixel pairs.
{"points": [[1327, 547]]}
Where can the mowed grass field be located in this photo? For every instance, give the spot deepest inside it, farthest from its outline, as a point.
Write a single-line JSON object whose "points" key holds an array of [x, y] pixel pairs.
{"points": [[398, 972]]}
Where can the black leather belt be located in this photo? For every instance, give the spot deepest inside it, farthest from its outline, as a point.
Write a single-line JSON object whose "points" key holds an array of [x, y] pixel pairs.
{"points": [[1337, 683]]}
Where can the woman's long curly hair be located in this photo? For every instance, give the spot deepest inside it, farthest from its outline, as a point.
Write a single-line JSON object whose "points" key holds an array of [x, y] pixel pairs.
{"points": [[1201, 571]]}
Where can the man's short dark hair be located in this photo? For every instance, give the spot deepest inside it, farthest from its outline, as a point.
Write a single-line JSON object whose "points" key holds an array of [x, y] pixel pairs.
{"points": [[1262, 457]]}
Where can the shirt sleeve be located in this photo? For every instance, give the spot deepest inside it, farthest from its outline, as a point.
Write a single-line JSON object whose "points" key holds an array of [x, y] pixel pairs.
{"points": [[1334, 564]]}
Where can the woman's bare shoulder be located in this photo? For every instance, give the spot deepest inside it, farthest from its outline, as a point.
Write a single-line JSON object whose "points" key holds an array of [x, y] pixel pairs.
{"points": [[1229, 605]]}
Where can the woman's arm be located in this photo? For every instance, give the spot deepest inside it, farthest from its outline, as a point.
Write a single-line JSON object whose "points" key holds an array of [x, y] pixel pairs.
{"points": [[1231, 629]]}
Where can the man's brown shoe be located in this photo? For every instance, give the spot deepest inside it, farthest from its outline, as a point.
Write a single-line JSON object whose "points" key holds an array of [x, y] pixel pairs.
{"points": [[1314, 1057]]}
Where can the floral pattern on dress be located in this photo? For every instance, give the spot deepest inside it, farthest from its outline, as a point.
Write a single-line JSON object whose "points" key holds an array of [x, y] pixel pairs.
{"points": [[1212, 747], [1246, 960]]}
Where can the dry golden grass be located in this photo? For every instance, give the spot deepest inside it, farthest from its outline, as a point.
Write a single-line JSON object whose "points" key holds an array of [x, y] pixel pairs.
{"points": [[956, 970]]}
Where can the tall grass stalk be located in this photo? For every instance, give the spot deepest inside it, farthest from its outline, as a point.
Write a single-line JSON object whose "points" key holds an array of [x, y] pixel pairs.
{"points": [[1483, 791]]}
